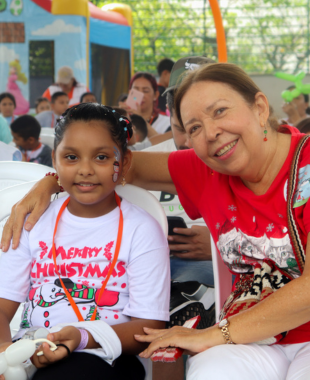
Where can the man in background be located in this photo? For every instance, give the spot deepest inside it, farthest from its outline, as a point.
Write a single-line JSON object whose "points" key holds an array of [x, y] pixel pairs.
{"points": [[164, 68]]}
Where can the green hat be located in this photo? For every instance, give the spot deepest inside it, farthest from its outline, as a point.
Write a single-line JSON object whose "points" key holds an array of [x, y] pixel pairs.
{"points": [[185, 64]]}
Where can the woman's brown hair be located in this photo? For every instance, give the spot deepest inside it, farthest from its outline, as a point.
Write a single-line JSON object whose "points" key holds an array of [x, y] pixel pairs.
{"points": [[226, 73]]}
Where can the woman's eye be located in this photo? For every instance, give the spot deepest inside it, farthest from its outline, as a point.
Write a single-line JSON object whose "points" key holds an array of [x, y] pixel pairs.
{"points": [[193, 129], [219, 111], [71, 157]]}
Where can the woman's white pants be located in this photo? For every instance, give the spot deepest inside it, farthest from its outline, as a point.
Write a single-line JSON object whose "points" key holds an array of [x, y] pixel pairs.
{"points": [[251, 362]]}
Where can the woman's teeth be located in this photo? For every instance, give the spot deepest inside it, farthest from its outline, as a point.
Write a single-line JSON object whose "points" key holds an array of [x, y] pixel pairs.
{"points": [[226, 149]]}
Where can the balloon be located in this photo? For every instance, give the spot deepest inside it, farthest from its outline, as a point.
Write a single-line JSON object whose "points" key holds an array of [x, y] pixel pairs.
{"points": [[285, 76], [300, 88], [220, 32]]}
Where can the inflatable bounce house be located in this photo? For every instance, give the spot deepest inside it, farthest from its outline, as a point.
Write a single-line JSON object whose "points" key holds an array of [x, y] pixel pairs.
{"points": [[37, 37]]}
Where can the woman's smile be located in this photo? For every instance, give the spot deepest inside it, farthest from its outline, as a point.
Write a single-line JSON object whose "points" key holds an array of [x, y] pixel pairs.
{"points": [[226, 151]]}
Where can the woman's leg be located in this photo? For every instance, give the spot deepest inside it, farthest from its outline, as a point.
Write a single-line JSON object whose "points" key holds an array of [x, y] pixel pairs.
{"points": [[300, 366], [239, 362], [85, 366]]}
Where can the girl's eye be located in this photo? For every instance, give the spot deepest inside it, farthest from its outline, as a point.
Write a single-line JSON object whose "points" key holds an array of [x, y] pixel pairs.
{"points": [[101, 157], [220, 111], [71, 157]]}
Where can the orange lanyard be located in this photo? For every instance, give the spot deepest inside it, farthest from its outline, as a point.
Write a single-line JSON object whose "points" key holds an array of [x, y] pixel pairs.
{"points": [[117, 248]]}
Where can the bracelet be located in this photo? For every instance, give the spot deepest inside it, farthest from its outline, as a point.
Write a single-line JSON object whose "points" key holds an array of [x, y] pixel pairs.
{"points": [[84, 340], [61, 189], [223, 326]]}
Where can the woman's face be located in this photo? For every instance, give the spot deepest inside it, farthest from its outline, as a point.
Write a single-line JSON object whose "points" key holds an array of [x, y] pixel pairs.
{"points": [[226, 133], [143, 85]]}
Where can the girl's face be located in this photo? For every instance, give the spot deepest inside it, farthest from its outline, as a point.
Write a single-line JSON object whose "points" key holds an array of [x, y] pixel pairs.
{"points": [[226, 133], [143, 85], [7, 107], [43, 106], [84, 162]]}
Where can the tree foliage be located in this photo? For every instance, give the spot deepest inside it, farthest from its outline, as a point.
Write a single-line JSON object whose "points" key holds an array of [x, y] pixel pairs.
{"points": [[263, 36]]}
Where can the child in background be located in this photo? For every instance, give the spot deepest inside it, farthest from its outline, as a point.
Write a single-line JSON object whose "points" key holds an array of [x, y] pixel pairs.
{"points": [[42, 104], [26, 131], [88, 97], [91, 158], [59, 103], [7, 106], [139, 126], [5, 132]]}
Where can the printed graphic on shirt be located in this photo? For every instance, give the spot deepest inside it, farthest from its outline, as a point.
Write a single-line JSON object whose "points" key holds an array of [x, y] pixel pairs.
{"points": [[241, 251], [303, 187], [42, 301]]}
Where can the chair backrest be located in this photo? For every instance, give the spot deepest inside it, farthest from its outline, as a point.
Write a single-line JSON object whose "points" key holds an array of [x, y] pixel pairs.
{"points": [[47, 131], [47, 140], [14, 173], [222, 280]]}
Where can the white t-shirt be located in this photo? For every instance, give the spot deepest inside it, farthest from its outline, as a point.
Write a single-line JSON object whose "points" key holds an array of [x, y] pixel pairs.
{"points": [[161, 123], [138, 287], [170, 202], [9, 153]]}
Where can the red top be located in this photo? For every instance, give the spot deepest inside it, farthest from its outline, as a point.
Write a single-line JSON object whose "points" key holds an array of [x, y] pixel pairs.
{"points": [[246, 228]]}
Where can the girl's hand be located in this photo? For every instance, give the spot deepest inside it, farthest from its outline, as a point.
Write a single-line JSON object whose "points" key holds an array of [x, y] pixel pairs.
{"points": [[182, 337], [35, 202], [70, 336]]}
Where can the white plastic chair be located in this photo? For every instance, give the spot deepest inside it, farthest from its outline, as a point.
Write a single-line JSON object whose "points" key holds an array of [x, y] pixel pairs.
{"points": [[222, 280], [135, 195], [14, 173], [47, 131], [47, 140]]}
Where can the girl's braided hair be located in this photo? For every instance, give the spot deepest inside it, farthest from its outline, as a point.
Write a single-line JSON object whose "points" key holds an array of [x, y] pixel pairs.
{"points": [[119, 126]]}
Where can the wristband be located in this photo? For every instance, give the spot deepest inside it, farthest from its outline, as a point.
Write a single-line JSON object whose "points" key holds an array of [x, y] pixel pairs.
{"points": [[84, 340], [61, 189]]}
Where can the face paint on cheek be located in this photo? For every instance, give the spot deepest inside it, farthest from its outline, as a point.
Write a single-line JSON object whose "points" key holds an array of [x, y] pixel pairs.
{"points": [[116, 171], [117, 156]]}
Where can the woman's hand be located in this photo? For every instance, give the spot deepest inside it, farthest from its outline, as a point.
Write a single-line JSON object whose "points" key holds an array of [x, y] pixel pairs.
{"points": [[189, 339], [70, 336], [126, 107], [35, 202]]}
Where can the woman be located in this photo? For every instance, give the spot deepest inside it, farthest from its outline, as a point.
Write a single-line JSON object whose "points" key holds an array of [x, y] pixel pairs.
{"points": [[68, 84], [235, 178], [146, 83]]}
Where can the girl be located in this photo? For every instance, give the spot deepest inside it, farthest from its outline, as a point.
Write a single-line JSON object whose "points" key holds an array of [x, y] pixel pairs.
{"points": [[7, 106], [146, 83], [42, 104], [96, 235]]}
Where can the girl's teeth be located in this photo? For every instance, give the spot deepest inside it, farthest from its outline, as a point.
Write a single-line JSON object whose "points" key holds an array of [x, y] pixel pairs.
{"points": [[83, 184], [226, 148]]}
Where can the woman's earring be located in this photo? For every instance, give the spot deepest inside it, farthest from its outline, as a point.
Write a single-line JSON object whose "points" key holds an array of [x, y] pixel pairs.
{"points": [[265, 133], [123, 182]]}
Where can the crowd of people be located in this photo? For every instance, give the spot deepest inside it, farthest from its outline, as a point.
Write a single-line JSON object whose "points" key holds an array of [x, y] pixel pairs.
{"points": [[205, 141]]}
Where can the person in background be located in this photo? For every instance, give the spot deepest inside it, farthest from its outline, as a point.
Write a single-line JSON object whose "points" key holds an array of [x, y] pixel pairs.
{"points": [[146, 83], [59, 104], [9, 153], [139, 127], [296, 110], [5, 132], [88, 97], [164, 68], [67, 84], [304, 126], [7, 106], [26, 131], [42, 104]]}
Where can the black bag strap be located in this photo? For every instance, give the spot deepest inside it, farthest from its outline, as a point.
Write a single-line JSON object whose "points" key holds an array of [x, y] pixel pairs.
{"points": [[293, 229]]}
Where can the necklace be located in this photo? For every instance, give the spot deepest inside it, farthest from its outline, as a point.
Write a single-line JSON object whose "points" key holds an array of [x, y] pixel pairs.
{"points": [[117, 248]]}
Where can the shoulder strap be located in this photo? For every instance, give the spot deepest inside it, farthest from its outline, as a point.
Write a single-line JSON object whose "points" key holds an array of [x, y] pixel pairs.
{"points": [[291, 189]]}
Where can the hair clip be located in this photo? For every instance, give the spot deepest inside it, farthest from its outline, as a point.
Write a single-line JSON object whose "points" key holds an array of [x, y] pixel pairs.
{"points": [[61, 117], [120, 119], [127, 121], [113, 110], [125, 129]]}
